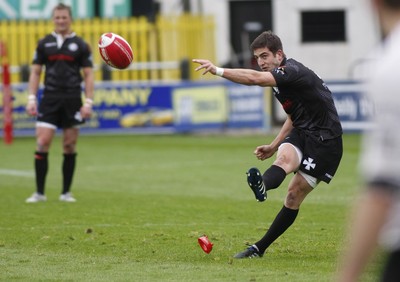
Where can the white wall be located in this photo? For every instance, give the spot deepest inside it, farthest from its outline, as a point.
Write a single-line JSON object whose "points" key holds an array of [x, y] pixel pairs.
{"points": [[330, 60]]}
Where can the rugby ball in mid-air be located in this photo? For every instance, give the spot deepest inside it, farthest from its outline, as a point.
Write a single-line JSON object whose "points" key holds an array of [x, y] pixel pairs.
{"points": [[115, 50]]}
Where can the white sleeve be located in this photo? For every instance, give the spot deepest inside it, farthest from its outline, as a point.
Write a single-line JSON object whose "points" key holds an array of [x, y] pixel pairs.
{"points": [[380, 159]]}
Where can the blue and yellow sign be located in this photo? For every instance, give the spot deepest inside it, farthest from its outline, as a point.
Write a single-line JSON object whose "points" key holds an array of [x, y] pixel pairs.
{"points": [[200, 107], [159, 108]]}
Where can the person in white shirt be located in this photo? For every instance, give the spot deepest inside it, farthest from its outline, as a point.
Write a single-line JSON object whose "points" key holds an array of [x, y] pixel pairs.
{"points": [[376, 218]]}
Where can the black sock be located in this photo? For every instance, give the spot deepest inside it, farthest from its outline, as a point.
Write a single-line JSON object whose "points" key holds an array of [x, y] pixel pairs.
{"points": [[68, 169], [273, 177], [41, 167], [391, 269], [282, 222]]}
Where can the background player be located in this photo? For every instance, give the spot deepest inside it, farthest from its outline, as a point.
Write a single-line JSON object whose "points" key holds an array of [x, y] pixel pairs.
{"points": [[64, 55], [309, 142], [377, 212]]}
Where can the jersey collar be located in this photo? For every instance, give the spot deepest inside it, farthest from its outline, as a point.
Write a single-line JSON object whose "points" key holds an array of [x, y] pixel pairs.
{"points": [[60, 39]]}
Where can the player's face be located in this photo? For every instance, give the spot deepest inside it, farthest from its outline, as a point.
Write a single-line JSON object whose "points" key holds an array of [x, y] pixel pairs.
{"points": [[266, 60], [62, 21]]}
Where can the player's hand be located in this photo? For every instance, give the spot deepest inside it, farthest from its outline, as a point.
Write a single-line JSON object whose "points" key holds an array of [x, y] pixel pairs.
{"points": [[31, 108], [86, 111], [264, 152], [205, 65]]}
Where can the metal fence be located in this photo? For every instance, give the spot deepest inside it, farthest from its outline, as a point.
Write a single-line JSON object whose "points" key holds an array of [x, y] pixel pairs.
{"points": [[161, 48]]}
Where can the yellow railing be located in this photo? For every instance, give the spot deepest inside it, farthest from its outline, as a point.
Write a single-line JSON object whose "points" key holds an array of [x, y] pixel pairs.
{"points": [[158, 47]]}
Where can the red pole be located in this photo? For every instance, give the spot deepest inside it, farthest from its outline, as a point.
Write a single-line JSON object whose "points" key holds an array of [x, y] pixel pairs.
{"points": [[7, 97]]}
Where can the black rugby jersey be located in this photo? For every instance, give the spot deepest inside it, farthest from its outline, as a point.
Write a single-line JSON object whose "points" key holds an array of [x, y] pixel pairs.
{"points": [[63, 61], [306, 98]]}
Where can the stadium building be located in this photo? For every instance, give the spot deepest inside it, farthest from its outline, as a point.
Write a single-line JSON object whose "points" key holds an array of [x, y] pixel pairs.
{"points": [[331, 36]]}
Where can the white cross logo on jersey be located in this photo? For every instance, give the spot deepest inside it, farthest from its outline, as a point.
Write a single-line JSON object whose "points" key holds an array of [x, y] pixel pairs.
{"points": [[309, 164]]}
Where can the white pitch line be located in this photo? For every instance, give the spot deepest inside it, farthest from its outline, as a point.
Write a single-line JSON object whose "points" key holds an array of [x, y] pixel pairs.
{"points": [[14, 172]]}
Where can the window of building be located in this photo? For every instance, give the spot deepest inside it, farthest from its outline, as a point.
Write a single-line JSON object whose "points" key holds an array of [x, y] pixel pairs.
{"points": [[323, 26]]}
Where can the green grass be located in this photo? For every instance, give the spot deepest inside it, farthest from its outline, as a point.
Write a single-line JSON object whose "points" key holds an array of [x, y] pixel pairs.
{"points": [[144, 200]]}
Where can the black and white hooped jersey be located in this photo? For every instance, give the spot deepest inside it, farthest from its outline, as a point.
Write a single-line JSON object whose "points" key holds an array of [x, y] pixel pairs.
{"points": [[63, 59], [306, 98]]}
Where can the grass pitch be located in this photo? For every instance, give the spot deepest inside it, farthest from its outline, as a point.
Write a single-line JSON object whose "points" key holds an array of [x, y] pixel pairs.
{"points": [[144, 200]]}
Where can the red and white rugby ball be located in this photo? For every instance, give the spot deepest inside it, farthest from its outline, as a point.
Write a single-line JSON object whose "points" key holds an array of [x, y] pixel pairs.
{"points": [[115, 50]]}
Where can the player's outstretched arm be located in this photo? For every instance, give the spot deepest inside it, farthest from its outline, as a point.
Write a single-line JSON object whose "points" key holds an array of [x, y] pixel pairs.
{"points": [[242, 76]]}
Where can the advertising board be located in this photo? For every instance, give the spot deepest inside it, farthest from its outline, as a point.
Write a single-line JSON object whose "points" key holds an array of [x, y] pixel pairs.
{"points": [[125, 107]]}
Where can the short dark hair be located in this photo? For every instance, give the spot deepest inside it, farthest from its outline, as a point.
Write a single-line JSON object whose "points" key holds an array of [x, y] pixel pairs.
{"points": [[395, 4], [62, 6], [267, 39]]}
